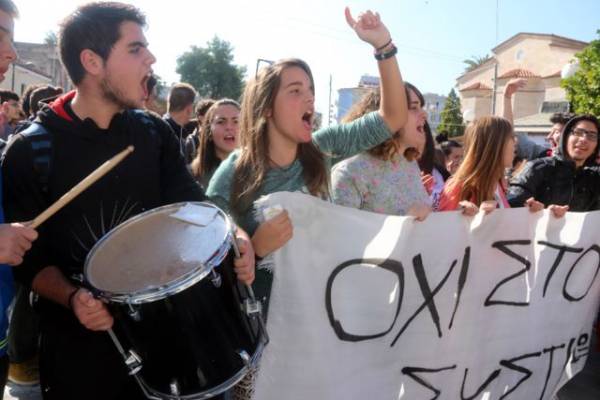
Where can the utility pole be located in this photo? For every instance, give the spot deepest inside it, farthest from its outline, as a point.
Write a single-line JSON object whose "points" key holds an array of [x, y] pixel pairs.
{"points": [[12, 85], [494, 92], [330, 105]]}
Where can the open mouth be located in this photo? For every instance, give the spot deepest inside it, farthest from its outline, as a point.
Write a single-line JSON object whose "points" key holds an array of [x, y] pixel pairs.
{"points": [[229, 139], [421, 129], [144, 85], [307, 119]]}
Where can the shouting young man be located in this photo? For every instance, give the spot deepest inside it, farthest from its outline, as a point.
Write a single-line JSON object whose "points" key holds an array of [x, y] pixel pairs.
{"points": [[105, 53]]}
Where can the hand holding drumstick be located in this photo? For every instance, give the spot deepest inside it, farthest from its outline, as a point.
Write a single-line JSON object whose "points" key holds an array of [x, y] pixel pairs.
{"points": [[81, 186], [16, 238], [91, 312]]}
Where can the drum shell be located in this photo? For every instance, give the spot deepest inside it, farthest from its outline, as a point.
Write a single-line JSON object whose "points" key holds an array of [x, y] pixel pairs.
{"points": [[192, 337]]}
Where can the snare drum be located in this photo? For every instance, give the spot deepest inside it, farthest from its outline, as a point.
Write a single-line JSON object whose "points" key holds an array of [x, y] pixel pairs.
{"points": [[185, 327]]}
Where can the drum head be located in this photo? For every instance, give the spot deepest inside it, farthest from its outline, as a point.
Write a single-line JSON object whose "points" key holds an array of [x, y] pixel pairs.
{"points": [[154, 253]]}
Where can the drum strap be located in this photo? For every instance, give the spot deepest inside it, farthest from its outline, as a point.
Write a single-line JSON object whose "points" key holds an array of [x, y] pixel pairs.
{"points": [[41, 144], [40, 140]]}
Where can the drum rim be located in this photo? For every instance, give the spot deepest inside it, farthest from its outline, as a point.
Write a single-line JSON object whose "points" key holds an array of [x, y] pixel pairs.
{"points": [[185, 281], [209, 393]]}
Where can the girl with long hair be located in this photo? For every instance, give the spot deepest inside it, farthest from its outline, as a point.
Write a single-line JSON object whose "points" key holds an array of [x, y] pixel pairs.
{"points": [[490, 144], [386, 178], [218, 138], [279, 151], [433, 171]]}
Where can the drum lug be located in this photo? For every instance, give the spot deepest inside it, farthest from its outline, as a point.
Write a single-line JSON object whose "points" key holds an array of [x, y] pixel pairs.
{"points": [[133, 362], [133, 312], [252, 307], [245, 357], [215, 278], [174, 387]]}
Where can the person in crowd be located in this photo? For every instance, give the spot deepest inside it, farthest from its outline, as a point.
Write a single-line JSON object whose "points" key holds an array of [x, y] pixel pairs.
{"points": [[432, 165], [25, 100], [23, 335], [558, 120], [15, 239], [43, 95], [280, 152], [38, 95], [453, 155], [570, 177], [180, 106], [193, 140], [526, 148], [479, 181], [511, 88], [218, 138], [10, 113], [105, 53], [24, 332], [386, 178]]}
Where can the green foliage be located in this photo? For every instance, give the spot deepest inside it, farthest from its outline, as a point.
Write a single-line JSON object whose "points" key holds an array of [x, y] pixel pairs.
{"points": [[51, 39], [211, 70], [451, 122], [583, 88], [475, 62]]}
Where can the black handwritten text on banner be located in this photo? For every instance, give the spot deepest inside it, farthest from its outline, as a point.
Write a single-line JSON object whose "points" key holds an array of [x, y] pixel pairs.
{"points": [[369, 306]]}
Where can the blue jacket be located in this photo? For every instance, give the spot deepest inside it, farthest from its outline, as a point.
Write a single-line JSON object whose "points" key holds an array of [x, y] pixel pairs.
{"points": [[6, 293]]}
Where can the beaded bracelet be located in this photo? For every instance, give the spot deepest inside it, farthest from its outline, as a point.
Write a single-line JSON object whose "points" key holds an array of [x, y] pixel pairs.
{"points": [[378, 49]]}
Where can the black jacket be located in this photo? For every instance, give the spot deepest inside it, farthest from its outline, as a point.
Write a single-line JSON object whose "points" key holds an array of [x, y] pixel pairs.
{"points": [[153, 175], [556, 180]]}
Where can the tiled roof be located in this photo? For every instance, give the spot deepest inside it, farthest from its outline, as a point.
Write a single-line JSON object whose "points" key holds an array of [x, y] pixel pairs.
{"points": [[554, 75], [518, 73], [476, 86]]}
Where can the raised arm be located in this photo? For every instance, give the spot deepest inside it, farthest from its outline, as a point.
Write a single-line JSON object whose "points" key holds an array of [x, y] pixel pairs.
{"points": [[511, 88], [370, 29]]}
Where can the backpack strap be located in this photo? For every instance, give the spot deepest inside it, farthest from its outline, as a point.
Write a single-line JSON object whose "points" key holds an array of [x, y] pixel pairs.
{"points": [[41, 143]]}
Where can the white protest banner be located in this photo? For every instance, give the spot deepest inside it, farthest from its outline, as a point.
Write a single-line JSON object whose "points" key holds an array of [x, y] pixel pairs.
{"points": [[366, 306]]}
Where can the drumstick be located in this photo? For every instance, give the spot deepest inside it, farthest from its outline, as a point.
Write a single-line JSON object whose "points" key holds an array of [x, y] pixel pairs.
{"points": [[80, 187]]}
